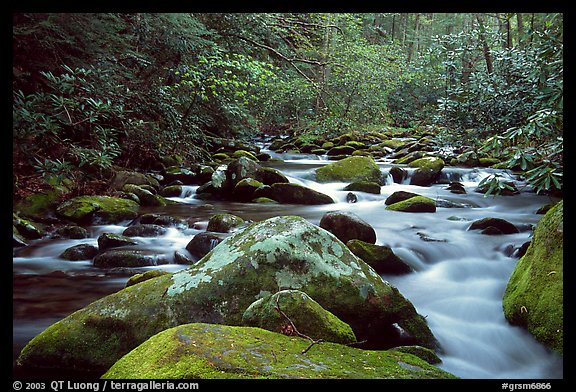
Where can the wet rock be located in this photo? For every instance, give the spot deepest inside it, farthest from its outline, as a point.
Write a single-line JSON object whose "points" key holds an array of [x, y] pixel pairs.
{"points": [[244, 190], [379, 257], [224, 223], [182, 174], [414, 204], [364, 186], [468, 159], [138, 278], [240, 169], [278, 253], [269, 176], [80, 252], [109, 240], [309, 317], [398, 174], [26, 228], [340, 150], [427, 172], [297, 194], [351, 197], [144, 230], [348, 226], [126, 258], [456, 187], [146, 197], [534, 294], [204, 242], [501, 225], [171, 191], [162, 220], [183, 257], [102, 209], [350, 169], [399, 196], [71, 232], [124, 177], [198, 351]]}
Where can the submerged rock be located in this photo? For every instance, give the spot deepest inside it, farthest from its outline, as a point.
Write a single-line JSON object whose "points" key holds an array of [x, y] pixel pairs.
{"points": [[80, 252], [303, 312], [534, 295], [201, 351], [284, 252]]}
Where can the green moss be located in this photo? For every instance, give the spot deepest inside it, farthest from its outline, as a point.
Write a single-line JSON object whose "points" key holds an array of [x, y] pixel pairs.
{"points": [[379, 257], [242, 153], [84, 209], [364, 186], [414, 204], [216, 351], [534, 295], [428, 163], [350, 169], [224, 223], [307, 315]]}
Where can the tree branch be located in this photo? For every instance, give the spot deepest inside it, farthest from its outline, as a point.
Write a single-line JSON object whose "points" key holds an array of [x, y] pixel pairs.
{"points": [[312, 341]]}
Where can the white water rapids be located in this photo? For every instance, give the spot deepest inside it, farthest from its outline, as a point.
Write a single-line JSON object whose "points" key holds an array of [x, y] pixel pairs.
{"points": [[458, 280]]}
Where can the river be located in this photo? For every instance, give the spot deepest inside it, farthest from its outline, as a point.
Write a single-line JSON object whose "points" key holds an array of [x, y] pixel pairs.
{"points": [[458, 280]]}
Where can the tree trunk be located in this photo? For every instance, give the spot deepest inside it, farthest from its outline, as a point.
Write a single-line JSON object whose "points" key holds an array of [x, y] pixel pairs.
{"points": [[520, 27], [484, 42]]}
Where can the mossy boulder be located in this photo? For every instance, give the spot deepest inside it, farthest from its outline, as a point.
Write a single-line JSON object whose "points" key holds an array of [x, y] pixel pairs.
{"points": [[243, 153], [534, 295], [379, 257], [26, 228], [139, 278], [41, 206], [146, 197], [350, 169], [285, 252], [98, 209], [224, 223], [427, 170], [123, 177], [399, 196], [79, 252], [414, 204], [270, 176], [110, 240], [244, 190], [296, 194], [502, 225], [348, 226], [209, 351], [127, 258], [364, 186], [300, 311]]}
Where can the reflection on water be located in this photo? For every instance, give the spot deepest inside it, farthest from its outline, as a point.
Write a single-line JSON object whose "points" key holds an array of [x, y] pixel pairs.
{"points": [[457, 285]]}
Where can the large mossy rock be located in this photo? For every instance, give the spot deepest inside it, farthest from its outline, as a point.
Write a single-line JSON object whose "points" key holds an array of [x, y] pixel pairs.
{"points": [[350, 169], [209, 351], [299, 311], [102, 209], [379, 257], [427, 170], [534, 295], [284, 252], [297, 194], [414, 204]]}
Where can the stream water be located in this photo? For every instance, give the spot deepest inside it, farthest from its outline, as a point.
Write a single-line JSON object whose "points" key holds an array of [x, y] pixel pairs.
{"points": [[458, 280]]}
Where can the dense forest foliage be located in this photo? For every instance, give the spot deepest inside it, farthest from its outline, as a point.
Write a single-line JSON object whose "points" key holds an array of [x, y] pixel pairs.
{"points": [[95, 90]]}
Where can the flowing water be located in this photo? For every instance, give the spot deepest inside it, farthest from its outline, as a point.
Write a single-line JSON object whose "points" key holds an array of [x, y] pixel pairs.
{"points": [[458, 280]]}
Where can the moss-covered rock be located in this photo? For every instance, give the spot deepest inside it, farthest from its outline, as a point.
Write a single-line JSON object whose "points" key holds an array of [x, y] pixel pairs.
{"points": [[41, 206], [414, 204], [534, 295], [139, 278], [350, 169], [146, 197], [303, 312], [102, 209], [502, 225], [123, 177], [275, 254], [208, 351], [244, 190], [428, 170], [364, 186], [110, 240], [127, 258], [243, 153], [348, 226], [340, 150], [26, 228], [379, 257], [297, 194], [224, 223], [270, 176], [79, 252], [399, 196], [421, 352]]}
